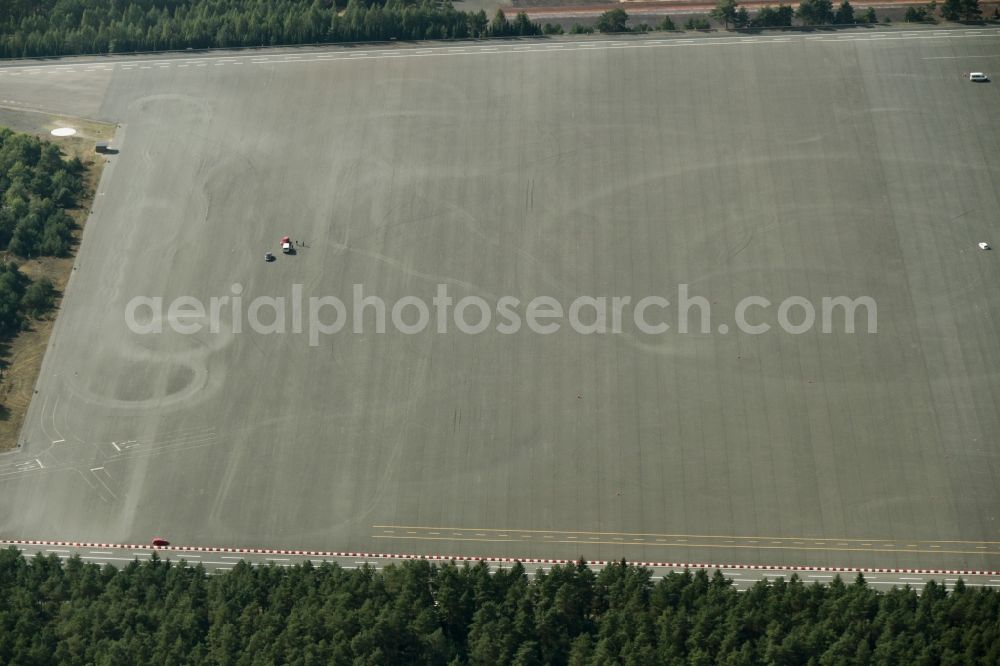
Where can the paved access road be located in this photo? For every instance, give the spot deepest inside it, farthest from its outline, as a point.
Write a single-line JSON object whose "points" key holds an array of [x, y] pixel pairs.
{"points": [[848, 163], [220, 560]]}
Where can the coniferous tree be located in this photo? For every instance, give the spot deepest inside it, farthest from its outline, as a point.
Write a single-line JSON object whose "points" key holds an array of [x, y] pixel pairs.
{"points": [[845, 14], [160, 612]]}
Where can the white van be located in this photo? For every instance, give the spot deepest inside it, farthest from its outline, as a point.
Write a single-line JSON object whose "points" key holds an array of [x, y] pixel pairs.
{"points": [[978, 77]]}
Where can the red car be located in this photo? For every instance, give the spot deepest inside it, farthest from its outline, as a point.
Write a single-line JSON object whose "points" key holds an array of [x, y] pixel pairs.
{"points": [[160, 541]]}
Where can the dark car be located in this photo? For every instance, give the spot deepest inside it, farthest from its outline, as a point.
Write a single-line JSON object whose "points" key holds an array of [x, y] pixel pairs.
{"points": [[160, 541]]}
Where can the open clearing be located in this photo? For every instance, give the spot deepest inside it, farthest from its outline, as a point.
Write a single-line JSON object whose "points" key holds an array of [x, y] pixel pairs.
{"points": [[844, 164]]}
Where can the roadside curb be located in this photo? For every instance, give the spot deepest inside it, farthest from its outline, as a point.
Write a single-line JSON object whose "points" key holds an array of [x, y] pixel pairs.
{"points": [[494, 560]]}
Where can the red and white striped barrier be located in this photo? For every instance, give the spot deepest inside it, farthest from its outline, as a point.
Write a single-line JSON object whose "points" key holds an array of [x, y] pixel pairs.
{"points": [[494, 560]]}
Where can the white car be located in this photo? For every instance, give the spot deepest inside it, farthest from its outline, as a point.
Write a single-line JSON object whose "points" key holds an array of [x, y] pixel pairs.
{"points": [[978, 77]]}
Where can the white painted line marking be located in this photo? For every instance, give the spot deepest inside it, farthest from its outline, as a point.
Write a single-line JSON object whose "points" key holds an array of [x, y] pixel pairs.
{"points": [[39, 463], [905, 578], [55, 550], [117, 448], [101, 552]]}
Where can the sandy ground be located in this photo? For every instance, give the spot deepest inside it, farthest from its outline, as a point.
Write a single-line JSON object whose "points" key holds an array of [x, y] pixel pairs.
{"points": [[22, 356]]}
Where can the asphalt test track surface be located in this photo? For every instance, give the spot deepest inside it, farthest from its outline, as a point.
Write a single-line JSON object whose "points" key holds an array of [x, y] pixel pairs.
{"points": [[840, 164]]}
